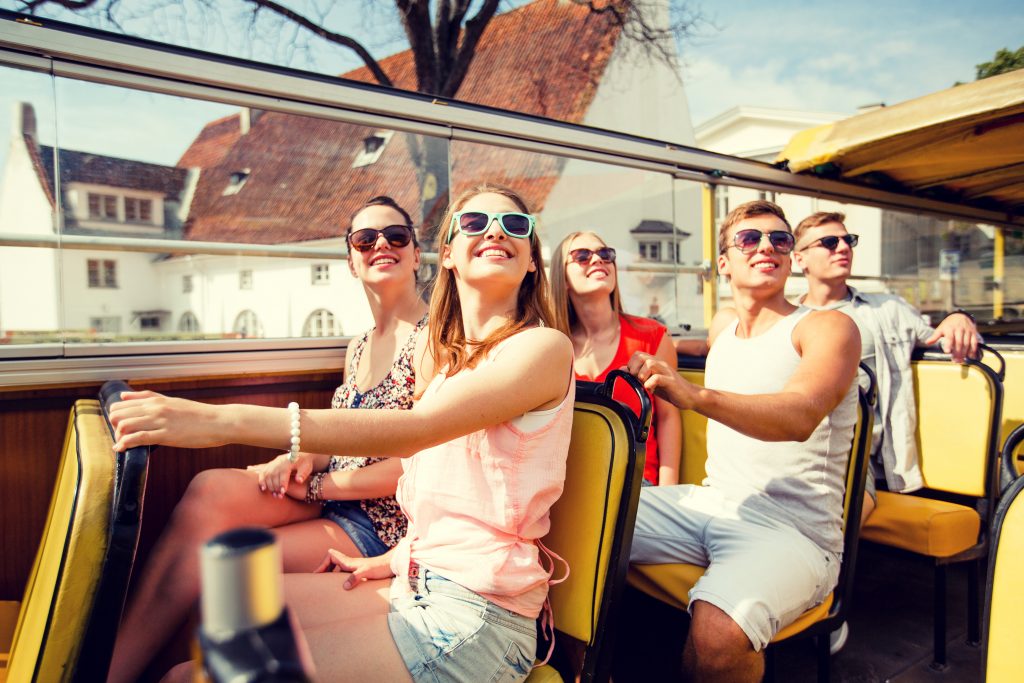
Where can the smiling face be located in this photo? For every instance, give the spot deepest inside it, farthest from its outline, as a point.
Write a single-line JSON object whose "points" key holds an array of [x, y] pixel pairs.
{"points": [[763, 268], [383, 263], [592, 277], [817, 261], [491, 257]]}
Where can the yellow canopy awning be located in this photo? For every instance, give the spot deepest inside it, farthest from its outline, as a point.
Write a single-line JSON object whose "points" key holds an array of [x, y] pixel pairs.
{"points": [[964, 144]]}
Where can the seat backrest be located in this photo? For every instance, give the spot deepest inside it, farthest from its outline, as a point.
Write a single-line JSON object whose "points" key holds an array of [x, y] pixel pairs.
{"points": [[1004, 592], [592, 522], [1013, 395], [695, 428], [66, 573], [959, 408]]}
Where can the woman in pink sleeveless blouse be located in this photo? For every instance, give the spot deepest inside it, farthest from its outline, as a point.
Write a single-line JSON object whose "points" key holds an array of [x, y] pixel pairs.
{"points": [[485, 451], [360, 515]]}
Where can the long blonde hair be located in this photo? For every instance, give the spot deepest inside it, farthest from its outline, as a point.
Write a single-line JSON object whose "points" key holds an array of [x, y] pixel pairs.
{"points": [[448, 343], [565, 314]]}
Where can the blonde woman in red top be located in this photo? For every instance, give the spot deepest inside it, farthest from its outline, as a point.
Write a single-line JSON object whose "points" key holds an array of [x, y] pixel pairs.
{"points": [[584, 286]]}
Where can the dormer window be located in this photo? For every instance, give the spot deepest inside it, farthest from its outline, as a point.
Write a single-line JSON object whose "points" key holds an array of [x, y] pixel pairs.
{"points": [[102, 206], [138, 210], [373, 147], [236, 182]]}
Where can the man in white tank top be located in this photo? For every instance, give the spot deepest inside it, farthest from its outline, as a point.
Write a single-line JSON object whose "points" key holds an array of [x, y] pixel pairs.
{"points": [[781, 403]]}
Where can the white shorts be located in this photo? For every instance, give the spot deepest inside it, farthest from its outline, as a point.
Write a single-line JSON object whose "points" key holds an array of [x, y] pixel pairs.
{"points": [[761, 572]]}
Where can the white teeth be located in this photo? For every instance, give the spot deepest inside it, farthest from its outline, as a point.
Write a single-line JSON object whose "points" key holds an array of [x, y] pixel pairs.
{"points": [[385, 259], [494, 252], [765, 265]]}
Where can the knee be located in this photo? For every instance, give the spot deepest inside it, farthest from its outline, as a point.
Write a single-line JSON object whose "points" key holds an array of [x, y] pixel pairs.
{"points": [[718, 642], [209, 495]]}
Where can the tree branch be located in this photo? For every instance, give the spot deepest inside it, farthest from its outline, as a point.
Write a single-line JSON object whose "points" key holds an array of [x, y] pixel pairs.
{"points": [[467, 48], [372, 64], [73, 5]]}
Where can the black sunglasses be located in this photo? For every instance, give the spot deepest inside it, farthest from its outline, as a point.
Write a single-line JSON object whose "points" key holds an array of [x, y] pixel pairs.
{"points": [[397, 236], [747, 241], [832, 241], [582, 256]]}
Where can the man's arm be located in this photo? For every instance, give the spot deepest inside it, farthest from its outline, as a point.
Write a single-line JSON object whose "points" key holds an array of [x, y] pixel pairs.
{"points": [[829, 345]]}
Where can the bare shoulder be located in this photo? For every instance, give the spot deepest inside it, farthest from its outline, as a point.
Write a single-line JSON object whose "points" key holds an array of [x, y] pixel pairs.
{"points": [[829, 328], [722, 319], [543, 341], [423, 359]]}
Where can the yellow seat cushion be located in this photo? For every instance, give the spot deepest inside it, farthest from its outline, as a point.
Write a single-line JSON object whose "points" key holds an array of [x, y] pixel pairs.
{"points": [[934, 528], [544, 674], [671, 584]]}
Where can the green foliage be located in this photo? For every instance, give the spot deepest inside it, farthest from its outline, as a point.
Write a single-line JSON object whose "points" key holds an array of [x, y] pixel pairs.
{"points": [[1004, 61]]}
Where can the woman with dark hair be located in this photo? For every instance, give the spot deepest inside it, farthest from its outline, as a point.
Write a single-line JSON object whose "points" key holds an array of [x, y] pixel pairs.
{"points": [[588, 308], [355, 509]]}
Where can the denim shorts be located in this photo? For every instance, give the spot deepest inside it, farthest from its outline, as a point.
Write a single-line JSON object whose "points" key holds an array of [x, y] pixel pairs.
{"points": [[353, 520], [445, 632]]}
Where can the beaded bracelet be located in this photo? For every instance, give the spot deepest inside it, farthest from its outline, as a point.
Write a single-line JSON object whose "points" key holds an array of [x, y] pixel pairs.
{"points": [[293, 412], [315, 489]]}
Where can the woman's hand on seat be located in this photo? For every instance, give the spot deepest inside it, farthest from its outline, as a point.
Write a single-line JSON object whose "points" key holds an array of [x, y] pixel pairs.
{"points": [[143, 418], [276, 476], [361, 568]]}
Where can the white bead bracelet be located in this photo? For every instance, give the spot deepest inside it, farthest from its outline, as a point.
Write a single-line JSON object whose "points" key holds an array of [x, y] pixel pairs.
{"points": [[296, 432]]}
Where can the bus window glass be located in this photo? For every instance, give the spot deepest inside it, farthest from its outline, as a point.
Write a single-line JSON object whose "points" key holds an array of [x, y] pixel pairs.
{"points": [[29, 275], [631, 210], [141, 173]]}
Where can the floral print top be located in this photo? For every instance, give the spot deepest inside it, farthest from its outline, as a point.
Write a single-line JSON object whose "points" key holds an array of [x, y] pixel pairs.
{"points": [[394, 392]]}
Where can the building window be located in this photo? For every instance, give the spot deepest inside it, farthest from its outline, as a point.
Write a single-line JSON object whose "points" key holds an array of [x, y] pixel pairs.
{"points": [[236, 181], [721, 203], [103, 206], [102, 274], [650, 251], [149, 323], [186, 284], [245, 279], [373, 147], [106, 324], [321, 323], [138, 210], [188, 323], [321, 273], [247, 324]]}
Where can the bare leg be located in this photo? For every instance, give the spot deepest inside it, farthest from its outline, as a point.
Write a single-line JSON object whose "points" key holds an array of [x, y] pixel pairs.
{"points": [[718, 649], [216, 500], [347, 630], [869, 507]]}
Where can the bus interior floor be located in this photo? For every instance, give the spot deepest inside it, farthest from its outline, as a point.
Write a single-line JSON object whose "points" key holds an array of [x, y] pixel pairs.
{"points": [[890, 623]]}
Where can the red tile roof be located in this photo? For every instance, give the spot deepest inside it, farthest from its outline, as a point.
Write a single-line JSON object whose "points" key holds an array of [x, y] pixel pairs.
{"points": [[545, 58]]}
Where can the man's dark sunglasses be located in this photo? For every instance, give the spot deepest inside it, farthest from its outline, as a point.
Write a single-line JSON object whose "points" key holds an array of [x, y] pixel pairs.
{"points": [[364, 240], [747, 241], [832, 241], [583, 256]]}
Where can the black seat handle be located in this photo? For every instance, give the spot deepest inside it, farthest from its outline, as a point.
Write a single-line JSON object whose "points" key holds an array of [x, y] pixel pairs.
{"points": [[646, 409], [871, 393], [1001, 372], [1009, 466]]}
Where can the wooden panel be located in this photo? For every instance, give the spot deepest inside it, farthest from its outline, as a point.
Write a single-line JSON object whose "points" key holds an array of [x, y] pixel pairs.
{"points": [[32, 429]]}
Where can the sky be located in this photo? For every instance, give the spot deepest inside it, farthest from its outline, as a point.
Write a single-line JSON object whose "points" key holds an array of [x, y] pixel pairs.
{"points": [[825, 56]]}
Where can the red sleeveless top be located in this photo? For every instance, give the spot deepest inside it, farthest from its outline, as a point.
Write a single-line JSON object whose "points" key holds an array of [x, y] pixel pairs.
{"points": [[636, 334]]}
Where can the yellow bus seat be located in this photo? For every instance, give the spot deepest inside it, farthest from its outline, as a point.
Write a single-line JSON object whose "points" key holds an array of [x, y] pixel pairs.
{"points": [[958, 423], [922, 525], [1004, 597], [1013, 398], [65, 625], [695, 427], [592, 525], [54, 613], [671, 583]]}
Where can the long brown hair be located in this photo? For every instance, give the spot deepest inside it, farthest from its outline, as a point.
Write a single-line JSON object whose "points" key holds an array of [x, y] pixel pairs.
{"points": [[448, 343], [565, 314]]}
